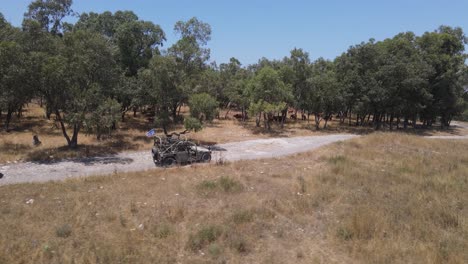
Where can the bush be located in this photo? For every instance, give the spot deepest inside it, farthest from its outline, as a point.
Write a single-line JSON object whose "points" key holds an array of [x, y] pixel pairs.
{"points": [[229, 185], [203, 106], [63, 231], [244, 216], [192, 123], [203, 237]]}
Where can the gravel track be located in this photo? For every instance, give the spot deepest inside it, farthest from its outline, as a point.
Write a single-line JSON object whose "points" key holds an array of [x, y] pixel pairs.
{"points": [[28, 172], [140, 161]]}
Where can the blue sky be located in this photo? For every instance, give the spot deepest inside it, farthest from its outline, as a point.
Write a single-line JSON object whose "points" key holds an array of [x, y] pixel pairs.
{"points": [[249, 30]]}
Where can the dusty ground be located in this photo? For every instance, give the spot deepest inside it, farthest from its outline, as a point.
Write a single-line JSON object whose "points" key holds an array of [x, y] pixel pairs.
{"points": [[16, 145], [139, 161], [380, 198]]}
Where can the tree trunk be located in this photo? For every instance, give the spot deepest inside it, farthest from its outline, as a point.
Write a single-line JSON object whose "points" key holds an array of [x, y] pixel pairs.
{"points": [[180, 108], [317, 120], [257, 119], [228, 109], [74, 140], [174, 112], [377, 120], [8, 118], [349, 117], [19, 114], [391, 122], [62, 125], [266, 124], [284, 113]]}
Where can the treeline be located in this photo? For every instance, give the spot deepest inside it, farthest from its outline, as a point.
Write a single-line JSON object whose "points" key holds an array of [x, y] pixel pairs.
{"points": [[88, 75]]}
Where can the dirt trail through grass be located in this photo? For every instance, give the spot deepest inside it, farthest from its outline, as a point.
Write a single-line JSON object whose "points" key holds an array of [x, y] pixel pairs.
{"points": [[138, 161]]}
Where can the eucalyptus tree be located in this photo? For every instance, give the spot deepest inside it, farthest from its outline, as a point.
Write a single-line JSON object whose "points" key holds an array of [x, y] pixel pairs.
{"points": [[190, 55], [403, 74], [321, 94], [76, 79], [14, 88], [234, 80], [443, 51], [296, 71], [203, 106], [357, 74], [134, 42], [161, 88], [268, 94], [49, 14]]}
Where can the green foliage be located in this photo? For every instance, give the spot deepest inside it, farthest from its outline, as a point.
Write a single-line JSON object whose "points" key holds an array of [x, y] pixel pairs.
{"points": [[203, 237], [268, 94], [203, 107], [49, 13], [104, 118], [224, 184], [229, 185], [192, 124], [90, 72], [63, 231]]}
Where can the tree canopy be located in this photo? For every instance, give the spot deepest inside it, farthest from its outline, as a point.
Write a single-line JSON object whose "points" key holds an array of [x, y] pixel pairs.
{"points": [[91, 73]]}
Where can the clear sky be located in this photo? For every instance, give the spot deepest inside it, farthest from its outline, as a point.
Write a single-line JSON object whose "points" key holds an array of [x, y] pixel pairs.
{"points": [[249, 30]]}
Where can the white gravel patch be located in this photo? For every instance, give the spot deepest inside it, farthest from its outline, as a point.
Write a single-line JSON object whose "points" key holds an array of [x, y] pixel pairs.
{"points": [[28, 172]]}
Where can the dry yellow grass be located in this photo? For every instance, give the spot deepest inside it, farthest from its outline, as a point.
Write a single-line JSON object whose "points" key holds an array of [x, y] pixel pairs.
{"points": [[382, 198], [130, 136]]}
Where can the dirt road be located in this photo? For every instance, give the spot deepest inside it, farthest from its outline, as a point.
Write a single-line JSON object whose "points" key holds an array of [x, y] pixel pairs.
{"points": [[140, 161]]}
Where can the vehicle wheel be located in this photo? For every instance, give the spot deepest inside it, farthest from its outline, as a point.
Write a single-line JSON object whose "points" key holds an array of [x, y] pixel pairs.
{"points": [[206, 157], [168, 162]]}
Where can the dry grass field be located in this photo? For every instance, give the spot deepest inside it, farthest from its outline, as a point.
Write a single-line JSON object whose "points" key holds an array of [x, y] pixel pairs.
{"points": [[382, 198], [16, 145]]}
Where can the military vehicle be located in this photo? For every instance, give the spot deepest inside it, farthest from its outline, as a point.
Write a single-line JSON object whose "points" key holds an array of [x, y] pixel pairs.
{"points": [[172, 150]]}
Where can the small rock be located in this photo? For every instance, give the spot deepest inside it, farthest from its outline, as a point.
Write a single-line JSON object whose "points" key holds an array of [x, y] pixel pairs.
{"points": [[101, 187], [177, 194], [141, 227], [30, 201]]}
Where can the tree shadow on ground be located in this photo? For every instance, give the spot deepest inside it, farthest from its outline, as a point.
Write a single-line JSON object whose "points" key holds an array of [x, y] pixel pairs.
{"points": [[84, 153]]}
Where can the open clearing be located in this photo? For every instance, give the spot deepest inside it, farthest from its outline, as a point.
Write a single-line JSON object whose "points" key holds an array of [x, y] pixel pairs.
{"points": [[381, 198], [138, 161]]}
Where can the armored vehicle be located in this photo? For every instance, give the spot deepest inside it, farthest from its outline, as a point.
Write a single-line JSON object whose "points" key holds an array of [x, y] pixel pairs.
{"points": [[172, 150]]}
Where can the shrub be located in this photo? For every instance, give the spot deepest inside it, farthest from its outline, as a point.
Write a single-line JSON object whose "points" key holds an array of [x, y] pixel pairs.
{"points": [[203, 106], [162, 231], [244, 216], [203, 237], [229, 185], [63, 231], [191, 123]]}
